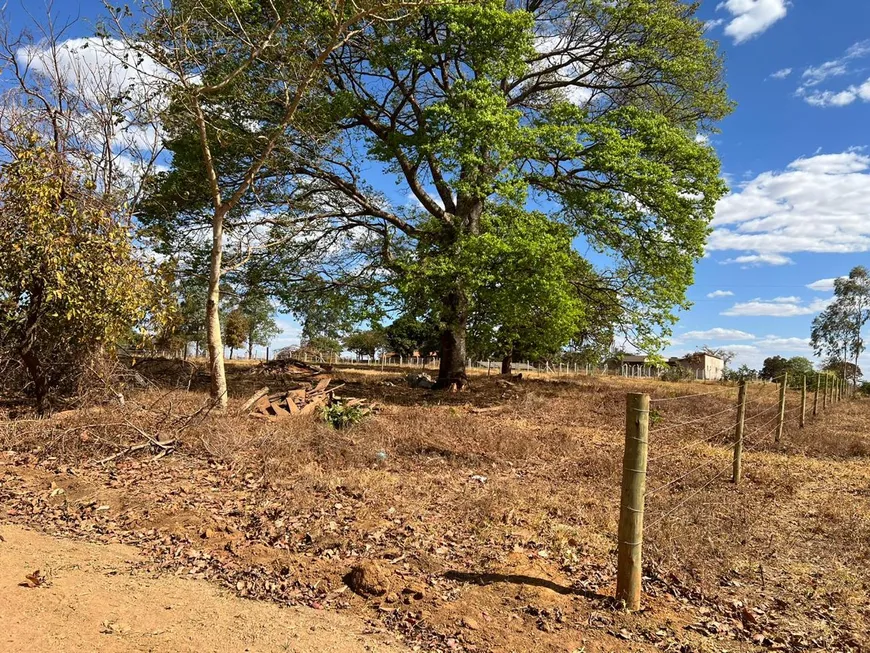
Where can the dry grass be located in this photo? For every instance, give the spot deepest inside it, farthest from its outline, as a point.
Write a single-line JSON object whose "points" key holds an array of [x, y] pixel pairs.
{"points": [[448, 488]]}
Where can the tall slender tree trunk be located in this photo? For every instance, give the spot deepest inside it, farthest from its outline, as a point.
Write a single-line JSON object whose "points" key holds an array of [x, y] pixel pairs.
{"points": [[218, 389], [507, 362]]}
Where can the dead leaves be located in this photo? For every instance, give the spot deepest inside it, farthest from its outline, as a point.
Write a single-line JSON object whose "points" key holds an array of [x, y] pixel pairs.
{"points": [[34, 579]]}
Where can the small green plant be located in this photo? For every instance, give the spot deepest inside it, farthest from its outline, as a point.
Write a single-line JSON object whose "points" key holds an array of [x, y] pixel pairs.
{"points": [[341, 415]]}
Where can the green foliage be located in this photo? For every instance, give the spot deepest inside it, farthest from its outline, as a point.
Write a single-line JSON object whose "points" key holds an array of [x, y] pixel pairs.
{"points": [[407, 335], [626, 175], [321, 346], [259, 313], [235, 330], [796, 367], [843, 369], [836, 331], [70, 281], [342, 415], [365, 343], [742, 373], [461, 102]]}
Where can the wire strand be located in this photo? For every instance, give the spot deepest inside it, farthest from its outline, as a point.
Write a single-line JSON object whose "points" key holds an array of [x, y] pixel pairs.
{"points": [[689, 473], [698, 491], [686, 448], [700, 394], [691, 421]]}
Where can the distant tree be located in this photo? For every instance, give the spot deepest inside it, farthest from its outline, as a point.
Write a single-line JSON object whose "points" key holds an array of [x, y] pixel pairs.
{"points": [[773, 368], [742, 373], [837, 330], [726, 355], [408, 334], [259, 312], [799, 367], [365, 343], [322, 347], [235, 330], [840, 368]]}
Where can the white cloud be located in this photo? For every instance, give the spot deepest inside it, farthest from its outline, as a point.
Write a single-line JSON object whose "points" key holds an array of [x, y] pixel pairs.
{"points": [[717, 333], [778, 307], [823, 285], [815, 75], [755, 260], [785, 344], [720, 293], [817, 204], [751, 17], [782, 73]]}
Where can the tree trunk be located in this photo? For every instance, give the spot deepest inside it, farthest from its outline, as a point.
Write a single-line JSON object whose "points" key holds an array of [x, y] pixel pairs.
{"points": [[34, 369], [250, 348], [507, 363], [28, 357], [231, 352], [451, 369], [218, 389]]}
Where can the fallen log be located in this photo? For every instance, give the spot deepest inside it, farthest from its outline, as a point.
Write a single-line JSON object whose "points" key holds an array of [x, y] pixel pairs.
{"points": [[254, 398]]}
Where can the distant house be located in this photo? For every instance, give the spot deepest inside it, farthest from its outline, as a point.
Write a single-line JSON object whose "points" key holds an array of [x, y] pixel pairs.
{"points": [[704, 366]]}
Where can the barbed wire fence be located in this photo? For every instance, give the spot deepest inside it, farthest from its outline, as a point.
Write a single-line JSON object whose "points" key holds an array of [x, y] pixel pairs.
{"points": [[739, 428]]}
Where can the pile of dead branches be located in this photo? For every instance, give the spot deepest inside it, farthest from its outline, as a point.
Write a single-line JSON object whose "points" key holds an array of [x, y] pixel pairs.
{"points": [[288, 366]]}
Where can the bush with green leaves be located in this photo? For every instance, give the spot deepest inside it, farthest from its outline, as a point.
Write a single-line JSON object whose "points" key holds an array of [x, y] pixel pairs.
{"points": [[71, 283], [341, 415]]}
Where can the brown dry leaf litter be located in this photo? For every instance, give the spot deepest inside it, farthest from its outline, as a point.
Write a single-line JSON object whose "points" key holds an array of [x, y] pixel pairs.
{"points": [[494, 530]]}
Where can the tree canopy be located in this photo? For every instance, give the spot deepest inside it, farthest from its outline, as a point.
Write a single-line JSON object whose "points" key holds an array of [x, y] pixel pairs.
{"points": [[587, 110]]}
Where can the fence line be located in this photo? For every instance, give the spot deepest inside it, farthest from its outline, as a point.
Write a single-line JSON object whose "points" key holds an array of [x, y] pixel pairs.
{"points": [[640, 441]]}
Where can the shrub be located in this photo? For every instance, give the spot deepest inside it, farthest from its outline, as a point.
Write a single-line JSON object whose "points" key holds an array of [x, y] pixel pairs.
{"points": [[341, 415], [70, 282]]}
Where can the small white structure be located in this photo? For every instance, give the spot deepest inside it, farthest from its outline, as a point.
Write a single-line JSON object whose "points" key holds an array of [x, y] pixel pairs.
{"points": [[705, 367]]}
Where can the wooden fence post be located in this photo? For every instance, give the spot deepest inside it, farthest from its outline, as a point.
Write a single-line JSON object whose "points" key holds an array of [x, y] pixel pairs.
{"points": [[737, 471], [629, 562], [781, 420], [804, 403], [825, 394], [816, 395]]}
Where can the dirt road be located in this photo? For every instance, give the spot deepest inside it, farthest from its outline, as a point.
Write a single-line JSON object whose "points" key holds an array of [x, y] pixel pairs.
{"points": [[94, 600]]}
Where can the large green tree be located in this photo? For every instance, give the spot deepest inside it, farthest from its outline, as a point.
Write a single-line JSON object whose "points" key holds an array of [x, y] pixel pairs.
{"points": [[241, 78], [586, 110]]}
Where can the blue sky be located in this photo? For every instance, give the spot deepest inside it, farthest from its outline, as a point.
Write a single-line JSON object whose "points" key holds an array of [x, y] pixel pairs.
{"points": [[796, 153]]}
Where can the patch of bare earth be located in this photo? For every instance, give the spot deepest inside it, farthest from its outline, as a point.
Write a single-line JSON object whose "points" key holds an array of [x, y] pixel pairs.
{"points": [[490, 514], [90, 597]]}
